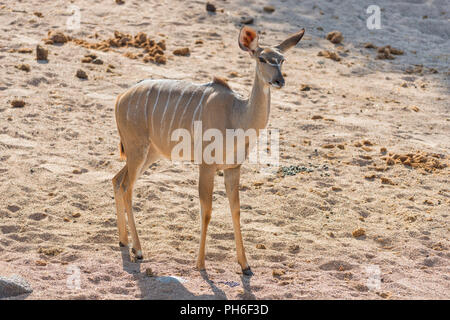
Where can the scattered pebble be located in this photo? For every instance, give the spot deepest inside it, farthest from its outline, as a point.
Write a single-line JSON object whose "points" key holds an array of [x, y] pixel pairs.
{"points": [[387, 181], [210, 7], [18, 103], [50, 251], [120, 2], [387, 52], [278, 272], [260, 246], [370, 45], [24, 50], [335, 37], [40, 263], [305, 87], [82, 75], [359, 233], [269, 9], [247, 20], [329, 55], [56, 37], [23, 67], [182, 52], [41, 53]]}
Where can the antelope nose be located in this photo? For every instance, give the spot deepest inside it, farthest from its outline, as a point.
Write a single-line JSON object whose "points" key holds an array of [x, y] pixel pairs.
{"points": [[279, 83]]}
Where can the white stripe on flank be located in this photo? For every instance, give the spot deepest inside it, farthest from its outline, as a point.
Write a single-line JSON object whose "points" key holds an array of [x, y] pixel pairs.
{"points": [[154, 106], [145, 108], [129, 102], [198, 106], [186, 107], [175, 110], [165, 108], [156, 102], [138, 103]]}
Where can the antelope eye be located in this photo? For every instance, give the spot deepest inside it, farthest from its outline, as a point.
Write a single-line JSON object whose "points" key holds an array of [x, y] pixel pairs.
{"points": [[261, 59]]}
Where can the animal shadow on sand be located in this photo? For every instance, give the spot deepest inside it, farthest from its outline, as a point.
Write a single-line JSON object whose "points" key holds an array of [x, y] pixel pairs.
{"points": [[172, 287]]}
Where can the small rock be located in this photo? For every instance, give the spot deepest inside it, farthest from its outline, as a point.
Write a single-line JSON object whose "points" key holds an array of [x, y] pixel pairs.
{"points": [[260, 246], [23, 67], [41, 263], [358, 233], [370, 45], [278, 272], [269, 9], [330, 55], [14, 286], [305, 87], [120, 2], [76, 215], [387, 181], [18, 103], [247, 20], [97, 61], [81, 74], [57, 37], [182, 52], [335, 37], [25, 50], [41, 53], [51, 252], [210, 7]]}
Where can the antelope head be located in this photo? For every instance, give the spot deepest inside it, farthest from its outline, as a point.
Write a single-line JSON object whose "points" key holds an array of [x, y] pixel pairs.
{"points": [[269, 60]]}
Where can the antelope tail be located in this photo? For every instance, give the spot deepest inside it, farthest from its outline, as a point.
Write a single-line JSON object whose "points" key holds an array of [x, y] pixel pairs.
{"points": [[123, 156]]}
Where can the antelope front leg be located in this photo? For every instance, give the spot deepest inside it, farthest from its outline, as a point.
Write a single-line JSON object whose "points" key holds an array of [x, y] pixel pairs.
{"points": [[232, 187], [205, 190]]}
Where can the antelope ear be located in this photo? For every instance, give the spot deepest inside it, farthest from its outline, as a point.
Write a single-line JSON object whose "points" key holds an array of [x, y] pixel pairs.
{"points": [[248, 39], [291, 41]]}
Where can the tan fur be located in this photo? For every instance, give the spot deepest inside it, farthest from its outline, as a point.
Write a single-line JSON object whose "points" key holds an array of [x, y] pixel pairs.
{"points": [[222, 82]]}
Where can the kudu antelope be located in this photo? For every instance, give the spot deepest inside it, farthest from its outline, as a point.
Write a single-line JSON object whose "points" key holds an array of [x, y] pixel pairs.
{"points": [[149, 112]]}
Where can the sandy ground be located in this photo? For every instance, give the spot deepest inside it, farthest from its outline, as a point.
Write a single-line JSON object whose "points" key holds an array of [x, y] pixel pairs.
{"points": [[59, 152]]}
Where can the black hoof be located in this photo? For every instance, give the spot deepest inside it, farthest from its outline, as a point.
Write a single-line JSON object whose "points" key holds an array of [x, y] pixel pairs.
{"points": [[121, 244], [138, 256], [247, 272]]}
